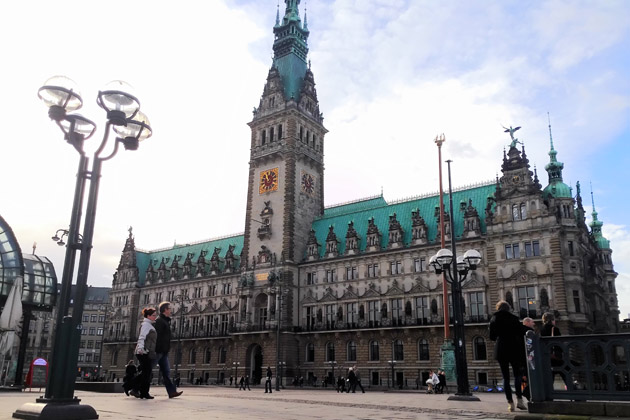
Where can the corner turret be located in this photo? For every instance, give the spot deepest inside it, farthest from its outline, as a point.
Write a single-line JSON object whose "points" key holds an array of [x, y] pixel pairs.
{"points": [[556, 188]]}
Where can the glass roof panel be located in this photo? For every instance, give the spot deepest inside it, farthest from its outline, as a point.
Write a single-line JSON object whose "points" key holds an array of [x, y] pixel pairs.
{"points": [[11, 264]]}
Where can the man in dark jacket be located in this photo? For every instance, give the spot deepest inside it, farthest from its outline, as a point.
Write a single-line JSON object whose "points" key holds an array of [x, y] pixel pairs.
{"points": [[268, 380], [509, 349], [163, 345]]}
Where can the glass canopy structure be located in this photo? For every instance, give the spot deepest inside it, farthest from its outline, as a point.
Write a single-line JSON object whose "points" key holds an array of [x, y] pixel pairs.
{"points": [[40, 280]]}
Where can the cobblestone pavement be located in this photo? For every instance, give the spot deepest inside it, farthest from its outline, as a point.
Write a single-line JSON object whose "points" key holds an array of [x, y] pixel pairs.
{"points": [[289, 404]]}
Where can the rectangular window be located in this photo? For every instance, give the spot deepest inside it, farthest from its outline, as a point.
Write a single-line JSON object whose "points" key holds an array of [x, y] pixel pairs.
{"points": [[145, 299], [373, 313], [527, 301], [396, 267], [96, 357], [82, 344], [571, 250], [98, 344], [351, 273], [372, 270], [477, 312], [397, 311], [422, 310], [512, 251], [171, 295], [331, 276], [81, 357], [86, 318], [101, 318], [351, 314], [532, 249], [419, 264], [576, 301], [90, 344], [311, 278], [310, 317], [224, 324], [93, 318], [158, 297], [92, 330], [331, 311]]}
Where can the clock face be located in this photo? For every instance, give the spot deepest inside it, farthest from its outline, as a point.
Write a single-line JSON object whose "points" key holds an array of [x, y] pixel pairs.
{"points": [[516, 179], [268, 181], [308, 183]]}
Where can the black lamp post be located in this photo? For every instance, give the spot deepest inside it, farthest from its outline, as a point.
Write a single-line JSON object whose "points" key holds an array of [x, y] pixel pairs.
{"points": [[131, 126], [392, 363], [333, 363], [180, 299], [235, 365], [456, 270], [280, 374]]}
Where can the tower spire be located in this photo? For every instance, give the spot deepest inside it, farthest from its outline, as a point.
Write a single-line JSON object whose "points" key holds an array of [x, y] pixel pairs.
{"points": [[556, 187], [278, 14], [596, 227], [305, 19]]}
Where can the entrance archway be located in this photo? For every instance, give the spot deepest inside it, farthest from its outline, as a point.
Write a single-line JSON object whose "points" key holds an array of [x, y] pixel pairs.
{"points": [[254, 360]]}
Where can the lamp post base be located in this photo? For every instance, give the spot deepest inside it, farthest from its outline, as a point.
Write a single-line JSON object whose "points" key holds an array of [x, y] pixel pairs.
{"points": [[448, 360], [463, 397], [55, 410]]}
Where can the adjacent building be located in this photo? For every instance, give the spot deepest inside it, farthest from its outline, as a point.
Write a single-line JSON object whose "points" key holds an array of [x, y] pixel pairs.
{"points": [[320, 289]]}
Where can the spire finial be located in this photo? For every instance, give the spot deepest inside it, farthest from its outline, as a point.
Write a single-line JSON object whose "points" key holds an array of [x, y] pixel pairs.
{"points": [[593, 200], [278, 14], [550, 137], [305, 20]]}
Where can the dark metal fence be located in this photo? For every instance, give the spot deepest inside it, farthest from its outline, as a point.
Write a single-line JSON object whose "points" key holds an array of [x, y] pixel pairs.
{"points": [[578, 367]]}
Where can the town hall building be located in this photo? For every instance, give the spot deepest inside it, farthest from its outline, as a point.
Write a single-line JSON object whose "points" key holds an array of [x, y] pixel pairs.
{"points": [[316, 289]]}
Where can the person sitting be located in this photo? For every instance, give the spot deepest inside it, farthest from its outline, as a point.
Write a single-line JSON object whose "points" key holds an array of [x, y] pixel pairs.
{"points": [[441, 386], [432, 381]]}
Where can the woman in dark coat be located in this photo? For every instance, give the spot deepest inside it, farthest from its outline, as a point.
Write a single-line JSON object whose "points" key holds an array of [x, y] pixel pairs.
{"points": [[509, 349], [145, 352], [549, 329]]}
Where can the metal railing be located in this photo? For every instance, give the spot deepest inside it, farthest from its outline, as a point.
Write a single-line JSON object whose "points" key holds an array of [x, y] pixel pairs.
{"points": [[584, 367]]}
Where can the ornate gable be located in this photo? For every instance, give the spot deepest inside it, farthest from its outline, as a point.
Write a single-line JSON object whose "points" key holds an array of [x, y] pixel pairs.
{"points": [[418, 228], [309, 297], [349, 294], [419, 287], [312, 247], [352, 240], [395, 233], [373, 237], [331, 243]]}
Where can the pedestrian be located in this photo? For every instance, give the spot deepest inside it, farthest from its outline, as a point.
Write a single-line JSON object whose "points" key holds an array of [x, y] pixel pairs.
{"points": [[528, 324], [301, 381], [509, 350], [358, 379], [241, 383], [268, 381], [352, 380], [145, 352], [162, 347], [549, 329], [432, 381], [246, 383], [231, 379], [341, 384], [130, 373]]}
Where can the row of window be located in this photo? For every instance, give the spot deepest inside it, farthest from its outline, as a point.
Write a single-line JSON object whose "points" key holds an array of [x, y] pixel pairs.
{"points": [[93, 318], [226, 289], [372, 271], [89, 357], [513, 251], [91, 344], [92, 331]]}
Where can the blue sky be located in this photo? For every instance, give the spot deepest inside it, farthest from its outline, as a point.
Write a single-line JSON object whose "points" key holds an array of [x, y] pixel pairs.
{"points": [[390, 76]]}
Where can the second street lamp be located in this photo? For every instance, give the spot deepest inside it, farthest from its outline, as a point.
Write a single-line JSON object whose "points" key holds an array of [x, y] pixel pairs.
{"points": [[61, 96], [456, 270]]}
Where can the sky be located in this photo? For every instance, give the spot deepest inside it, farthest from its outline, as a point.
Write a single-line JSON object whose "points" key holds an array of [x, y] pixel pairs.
{"points": [[390, 74]]}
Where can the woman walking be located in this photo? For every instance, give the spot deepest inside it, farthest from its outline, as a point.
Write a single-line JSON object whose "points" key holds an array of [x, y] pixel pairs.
{"points": [[145, 352], [509, 349]]}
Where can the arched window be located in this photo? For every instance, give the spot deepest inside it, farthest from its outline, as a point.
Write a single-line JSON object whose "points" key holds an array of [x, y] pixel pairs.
{"points": [[310, 352], [192, 359], [330, 351], [207, 356], [374, 353], [423, 349], [397, 350], [115, 358], [352, 351], [515, 212], [222, 354], [479, 348], [523, 211]]}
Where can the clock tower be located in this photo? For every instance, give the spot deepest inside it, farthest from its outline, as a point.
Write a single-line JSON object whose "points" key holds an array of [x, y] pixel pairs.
{"points": [[286, 167]]}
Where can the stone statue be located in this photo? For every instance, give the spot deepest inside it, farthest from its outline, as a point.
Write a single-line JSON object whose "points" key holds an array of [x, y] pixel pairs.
{"points": [[511, 131]]}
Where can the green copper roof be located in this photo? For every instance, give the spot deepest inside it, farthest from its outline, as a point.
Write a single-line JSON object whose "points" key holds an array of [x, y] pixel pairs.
{"points": [[596, 229], [361, 211], [143, 258], [556, 187], [558, 190], [290, 49]]}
